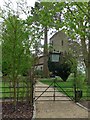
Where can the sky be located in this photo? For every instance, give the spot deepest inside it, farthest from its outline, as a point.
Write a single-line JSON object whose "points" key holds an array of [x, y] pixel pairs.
{"points": [[14, 6], [30, 2]]}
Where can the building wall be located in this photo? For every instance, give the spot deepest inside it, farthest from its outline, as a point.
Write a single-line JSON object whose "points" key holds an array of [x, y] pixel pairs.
{"points": [[39, 64], [39, 67], [59, 42], [57, 45]]}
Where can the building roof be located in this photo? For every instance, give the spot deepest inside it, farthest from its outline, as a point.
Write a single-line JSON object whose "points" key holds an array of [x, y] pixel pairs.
{"points": [[59, 32]]}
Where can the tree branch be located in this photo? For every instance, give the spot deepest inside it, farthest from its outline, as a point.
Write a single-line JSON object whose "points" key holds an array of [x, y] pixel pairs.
{"points": [[81, 9]]}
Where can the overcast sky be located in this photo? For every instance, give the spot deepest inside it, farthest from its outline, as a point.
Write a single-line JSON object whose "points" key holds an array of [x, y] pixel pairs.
{"points": [[14, 6], [30, 2]]}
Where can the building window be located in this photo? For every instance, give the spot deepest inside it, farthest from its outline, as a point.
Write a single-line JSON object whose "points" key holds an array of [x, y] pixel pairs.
{"points": [[62, 42], [52, 43], [41, 68]]}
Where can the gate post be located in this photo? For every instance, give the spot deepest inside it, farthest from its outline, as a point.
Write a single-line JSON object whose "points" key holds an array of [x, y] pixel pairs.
{"points": [[31, 87], [77, 93], [54, 90], [75, 98]]}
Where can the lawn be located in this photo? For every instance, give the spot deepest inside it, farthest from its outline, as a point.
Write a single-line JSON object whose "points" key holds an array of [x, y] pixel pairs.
{"points": [[68, 86], [7, 90], [65, 87]]}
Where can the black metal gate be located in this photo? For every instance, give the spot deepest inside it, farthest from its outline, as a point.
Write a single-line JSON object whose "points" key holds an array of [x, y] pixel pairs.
{"points": [[51, 90]]}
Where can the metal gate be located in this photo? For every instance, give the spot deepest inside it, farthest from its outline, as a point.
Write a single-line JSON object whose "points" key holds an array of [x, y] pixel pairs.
{"points": [[51, 90]]}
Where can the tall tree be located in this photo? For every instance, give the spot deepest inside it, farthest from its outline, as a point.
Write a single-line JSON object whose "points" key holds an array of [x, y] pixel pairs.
{"points": [[76, 22], [16, 44], [44, 16], [14, 51], [89, 51], [45, 54], [70, 16]]}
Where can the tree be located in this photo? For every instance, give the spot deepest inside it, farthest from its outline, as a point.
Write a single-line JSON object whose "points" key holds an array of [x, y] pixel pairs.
{"points": [[44, 16], [70, 16], [64, 67], [89, 50], [77, 25], [16, 54]]}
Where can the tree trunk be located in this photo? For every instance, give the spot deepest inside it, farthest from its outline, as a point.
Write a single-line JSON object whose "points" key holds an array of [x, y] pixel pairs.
{"points": [[85, 56], [45, 64], [85, 52], [14, 86], [89, 53], [86, 74]]}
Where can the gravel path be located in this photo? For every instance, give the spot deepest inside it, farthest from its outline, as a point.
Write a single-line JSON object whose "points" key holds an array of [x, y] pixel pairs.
{"points": [[57, 109]]}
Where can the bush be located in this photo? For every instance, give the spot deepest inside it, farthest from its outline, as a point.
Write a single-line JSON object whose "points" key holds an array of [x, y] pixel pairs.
{"points": [[80, 81], [39, 73], [64, 67]]}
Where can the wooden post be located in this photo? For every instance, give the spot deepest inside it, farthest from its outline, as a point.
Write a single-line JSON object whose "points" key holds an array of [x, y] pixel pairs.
{"points": [[75, 87], [31, 86]]}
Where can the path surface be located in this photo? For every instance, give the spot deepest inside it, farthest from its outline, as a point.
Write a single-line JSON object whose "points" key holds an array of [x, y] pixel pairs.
{"points": [[57, 109]]}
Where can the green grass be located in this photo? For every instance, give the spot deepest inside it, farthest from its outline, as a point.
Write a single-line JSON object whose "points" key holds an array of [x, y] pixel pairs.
{"points": [[8, 91], [68, 86]]}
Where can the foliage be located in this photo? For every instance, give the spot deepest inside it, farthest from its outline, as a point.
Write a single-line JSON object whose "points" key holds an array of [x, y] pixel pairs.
{"points": [[21, 37], [16, 53], [64, 67], [39, 73], [21, 89], [15, 46], [80, 81], [77, 26], [72, 17]]}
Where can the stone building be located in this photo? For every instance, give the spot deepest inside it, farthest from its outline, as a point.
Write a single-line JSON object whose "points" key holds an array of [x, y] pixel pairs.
{"points": [[59, 42]]}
